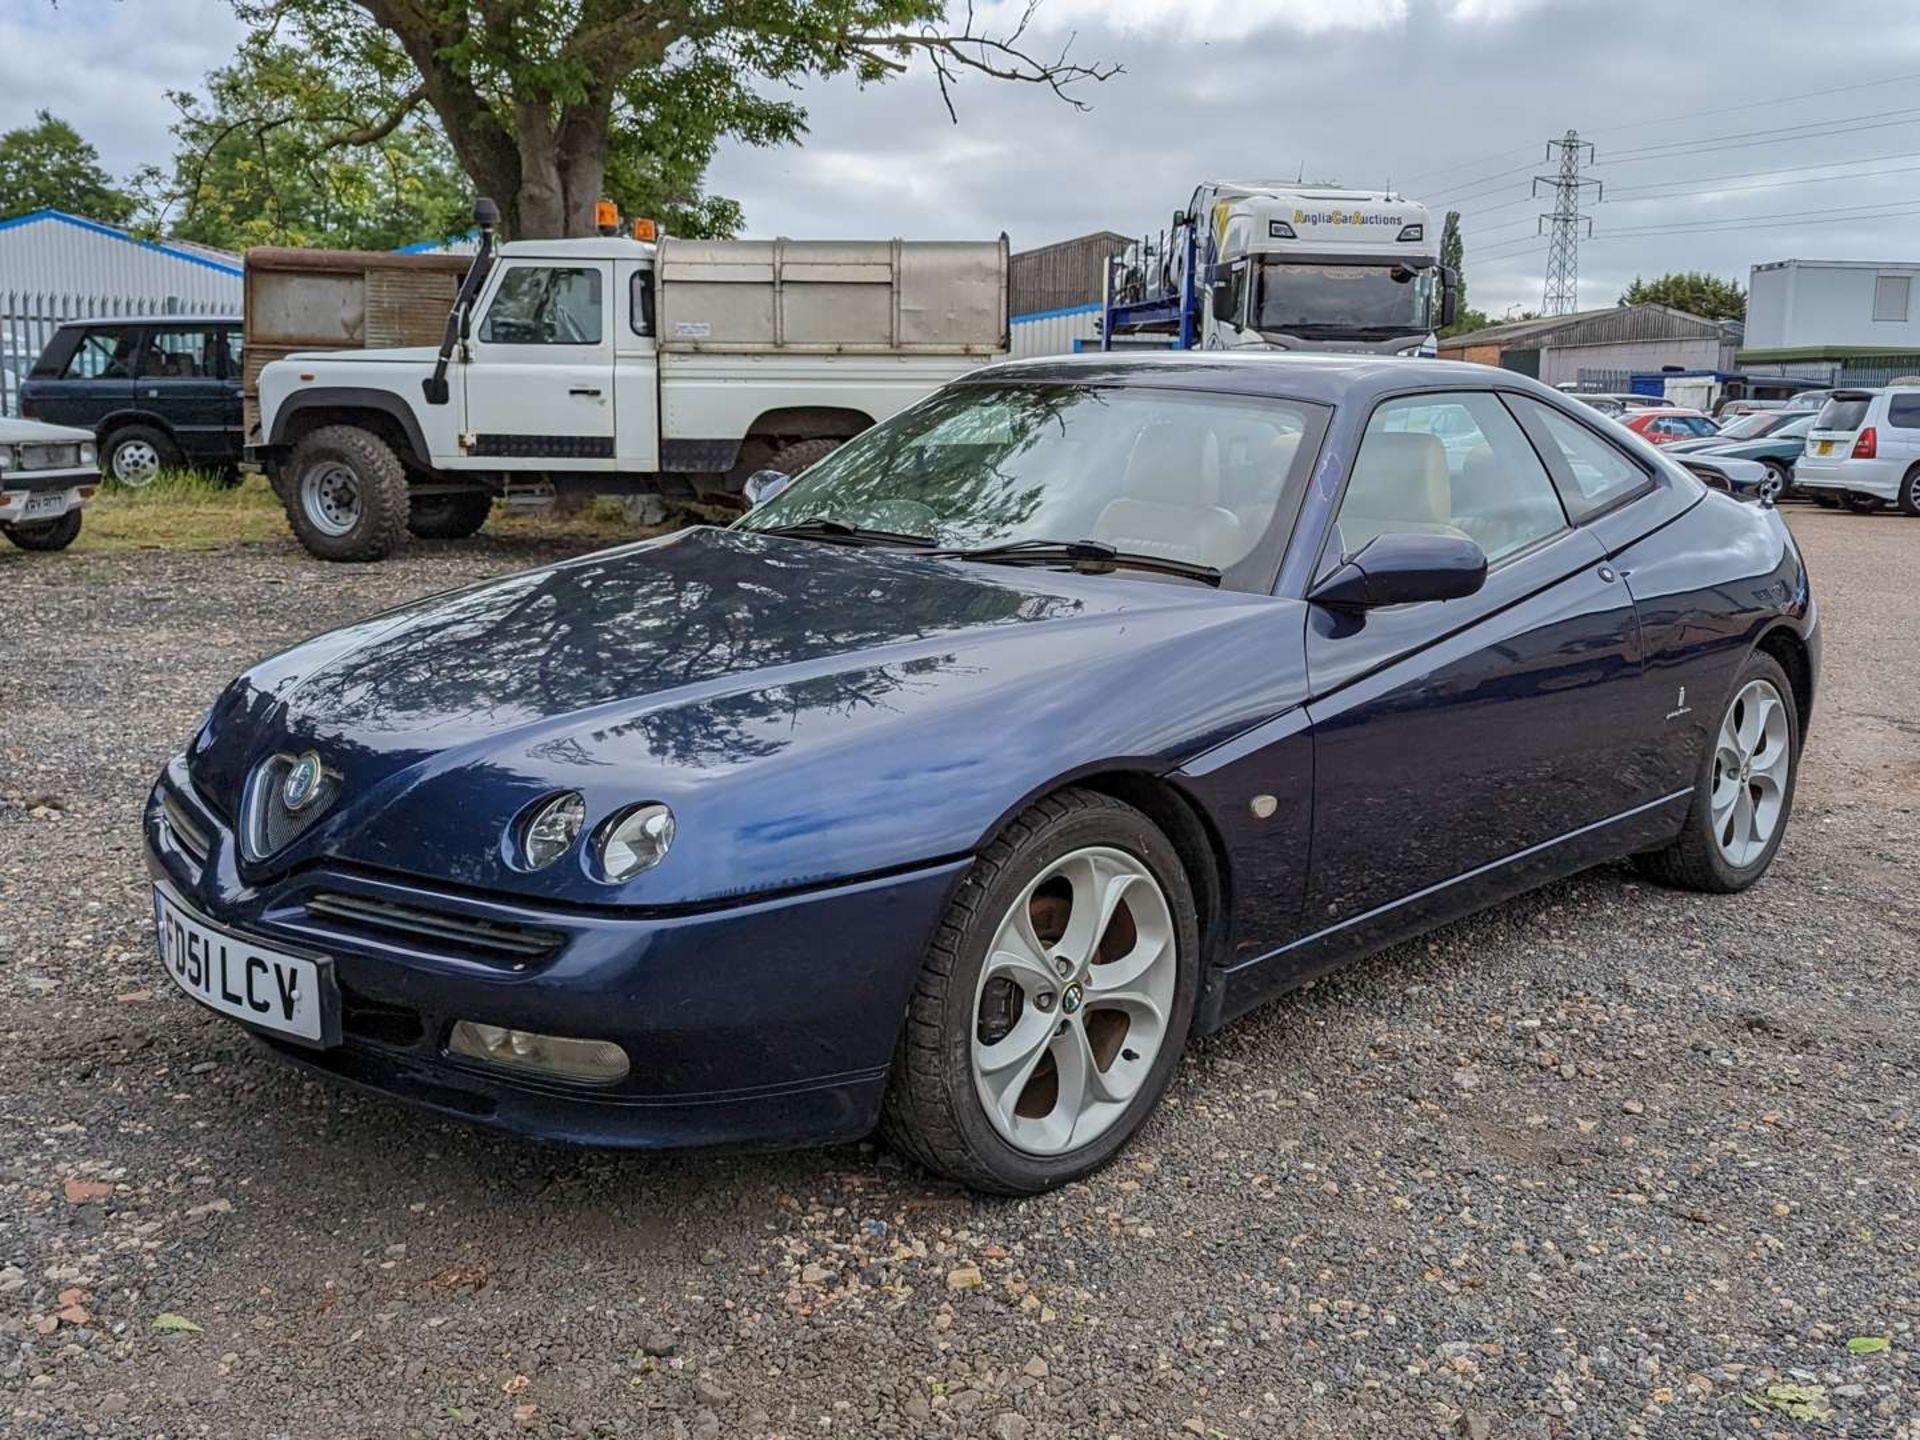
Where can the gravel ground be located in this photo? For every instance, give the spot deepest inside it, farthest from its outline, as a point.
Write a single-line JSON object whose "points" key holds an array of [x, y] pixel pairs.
{"points": [[1607, 1161]]}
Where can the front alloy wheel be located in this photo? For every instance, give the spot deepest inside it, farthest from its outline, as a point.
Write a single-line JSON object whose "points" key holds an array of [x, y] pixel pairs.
{"points": [[1751, 760], [1072, 1005], [1054, 1003]]}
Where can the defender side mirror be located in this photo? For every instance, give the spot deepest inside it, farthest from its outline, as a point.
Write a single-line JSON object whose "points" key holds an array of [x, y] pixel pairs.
{"points": [[1399, 569]]}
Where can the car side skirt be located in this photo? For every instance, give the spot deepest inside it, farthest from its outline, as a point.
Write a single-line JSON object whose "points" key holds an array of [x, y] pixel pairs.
{"points": [[1239, 988]]}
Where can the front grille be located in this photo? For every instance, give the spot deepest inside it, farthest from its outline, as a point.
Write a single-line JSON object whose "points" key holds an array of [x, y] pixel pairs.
{"points": [[188, 833], [381, 1021], [437, 929]]}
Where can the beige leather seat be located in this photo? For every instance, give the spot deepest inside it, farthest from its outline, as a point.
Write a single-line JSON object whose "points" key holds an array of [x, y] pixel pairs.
{"points": [[1171, 505], [1399, 486]]}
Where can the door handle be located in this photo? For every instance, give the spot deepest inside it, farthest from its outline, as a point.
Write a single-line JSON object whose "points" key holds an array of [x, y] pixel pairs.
{"points": [[585, 390]]}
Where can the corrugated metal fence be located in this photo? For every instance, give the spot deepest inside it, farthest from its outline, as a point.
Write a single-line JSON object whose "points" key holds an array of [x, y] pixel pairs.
{"points": [[29, 318]]}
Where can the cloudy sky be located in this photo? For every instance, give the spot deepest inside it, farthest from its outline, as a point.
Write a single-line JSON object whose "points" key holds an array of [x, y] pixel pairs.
{"points": [[1749, 130]]}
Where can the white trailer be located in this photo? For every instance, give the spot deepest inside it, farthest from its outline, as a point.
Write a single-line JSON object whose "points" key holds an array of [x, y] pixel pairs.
{"points": [[611, 364]]}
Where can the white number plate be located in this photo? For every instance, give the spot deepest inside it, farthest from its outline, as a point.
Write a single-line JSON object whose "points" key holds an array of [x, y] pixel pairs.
{"points": [[225, 972], [47, 505]]}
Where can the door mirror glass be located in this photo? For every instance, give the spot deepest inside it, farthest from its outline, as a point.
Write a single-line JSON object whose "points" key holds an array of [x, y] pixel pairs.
{"points": [[1449, 297], [763, 485], [1398, 569]]}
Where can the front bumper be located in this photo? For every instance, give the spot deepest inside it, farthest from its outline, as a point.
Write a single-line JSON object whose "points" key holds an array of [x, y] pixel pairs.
{"points": [[761, 1024], [21, 488]]}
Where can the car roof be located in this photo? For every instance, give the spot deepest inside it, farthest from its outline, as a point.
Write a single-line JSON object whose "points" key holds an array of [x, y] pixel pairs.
{"points": [[1322, 379]]}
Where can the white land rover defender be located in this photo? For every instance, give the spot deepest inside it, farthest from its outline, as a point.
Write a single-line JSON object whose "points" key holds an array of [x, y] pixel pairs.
{"points": [[613, 365]]}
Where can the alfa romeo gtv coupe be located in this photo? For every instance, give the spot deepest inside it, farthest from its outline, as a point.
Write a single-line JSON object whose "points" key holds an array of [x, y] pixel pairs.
{"points": [[1076, 710]]}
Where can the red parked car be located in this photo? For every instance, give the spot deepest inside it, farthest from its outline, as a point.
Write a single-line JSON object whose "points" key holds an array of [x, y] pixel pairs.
{"points": [[1667, 424]]}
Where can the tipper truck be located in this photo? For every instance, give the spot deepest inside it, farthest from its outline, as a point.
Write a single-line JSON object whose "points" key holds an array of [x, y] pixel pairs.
{"points": [[607, 364]]}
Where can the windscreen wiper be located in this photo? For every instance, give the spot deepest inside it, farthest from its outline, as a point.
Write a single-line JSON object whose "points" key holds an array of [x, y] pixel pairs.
{"points": [[838, 532], [1087, 555]]}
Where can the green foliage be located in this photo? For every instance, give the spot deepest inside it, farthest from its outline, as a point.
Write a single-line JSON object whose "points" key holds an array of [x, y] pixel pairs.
{"points": [[46, 165], [1693, 291], [550, 104], [1466, 320], [1453, 255]]}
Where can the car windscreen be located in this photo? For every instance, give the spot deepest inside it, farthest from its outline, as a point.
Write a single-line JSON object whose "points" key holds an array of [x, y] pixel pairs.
{"points": [[1389, 299], [1847, 414], [1752, 427], [1176, 474]]}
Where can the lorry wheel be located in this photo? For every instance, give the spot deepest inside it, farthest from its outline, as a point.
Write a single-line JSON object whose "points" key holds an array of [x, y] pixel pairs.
{"points": [[794, 458], [46, 534], [448, 517], [346, 494], [134, 455]]}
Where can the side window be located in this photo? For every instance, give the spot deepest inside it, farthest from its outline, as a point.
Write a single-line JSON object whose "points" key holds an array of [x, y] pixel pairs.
{"points": [[99, 357], [236, 352], [640, 303], [545, 305], [176, 355], [1600, 473], [1236, 293], [1903, 412], [1454, 464]]}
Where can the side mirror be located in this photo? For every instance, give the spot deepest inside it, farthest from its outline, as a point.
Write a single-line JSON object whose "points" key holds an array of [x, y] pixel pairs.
{"points": [[1397, 569], [466, 321], [763, 485], [1179, 218], [1449, 296]]}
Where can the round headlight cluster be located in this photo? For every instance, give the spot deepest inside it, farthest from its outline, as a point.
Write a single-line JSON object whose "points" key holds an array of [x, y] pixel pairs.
{"points": [[551, 830], [634, 841], [629, 843]]}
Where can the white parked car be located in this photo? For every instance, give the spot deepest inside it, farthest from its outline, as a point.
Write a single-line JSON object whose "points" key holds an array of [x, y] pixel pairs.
{"points": [[1864, 450], [47, 472]]}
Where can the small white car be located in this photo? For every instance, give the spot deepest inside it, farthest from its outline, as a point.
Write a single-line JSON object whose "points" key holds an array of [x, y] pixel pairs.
{"points": [[1863, 450], [47, 472]]}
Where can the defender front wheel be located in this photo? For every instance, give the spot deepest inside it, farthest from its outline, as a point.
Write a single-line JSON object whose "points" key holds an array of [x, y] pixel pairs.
{"points": [[346, 494]]}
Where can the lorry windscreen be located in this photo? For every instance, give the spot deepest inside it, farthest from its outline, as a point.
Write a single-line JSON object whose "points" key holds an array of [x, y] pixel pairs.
{"points": [[1308, 298]]}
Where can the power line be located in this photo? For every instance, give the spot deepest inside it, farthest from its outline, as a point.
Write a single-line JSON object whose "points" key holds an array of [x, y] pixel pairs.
{"points": [[1790, 170], [1779, 135], [1773, 221]]}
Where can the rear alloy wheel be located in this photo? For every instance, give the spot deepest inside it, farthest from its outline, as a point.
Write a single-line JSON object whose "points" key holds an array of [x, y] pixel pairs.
{"points": [[1863, 504], [135, 455], [1055, 1003], [1744, 791], [346, 494], [56, 534], [448, 517], [1910, 493]]}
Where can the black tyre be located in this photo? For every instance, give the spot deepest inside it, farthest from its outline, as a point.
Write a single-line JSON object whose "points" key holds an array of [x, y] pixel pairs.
{"points": [[46, 534], [448, 517], [1743, 795], [801, 454], [134, 455], [1055, 1001], [1910, 493], [1863, 504], [346, 494]]}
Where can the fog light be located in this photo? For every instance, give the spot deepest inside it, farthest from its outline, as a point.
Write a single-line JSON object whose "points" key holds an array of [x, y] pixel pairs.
{"points": [[548, 1054]]}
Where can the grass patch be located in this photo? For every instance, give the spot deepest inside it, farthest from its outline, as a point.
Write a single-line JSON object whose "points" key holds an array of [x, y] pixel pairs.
{"points": [[185, 510]]}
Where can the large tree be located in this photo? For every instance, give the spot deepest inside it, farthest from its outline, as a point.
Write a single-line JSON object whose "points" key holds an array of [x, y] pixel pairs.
{"points": [[46, 165], [1693, 291], [550, 104]]}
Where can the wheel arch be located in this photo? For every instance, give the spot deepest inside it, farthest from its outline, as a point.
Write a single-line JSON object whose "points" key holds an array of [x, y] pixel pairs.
{"points": [[810, 422], [375, 411], [114, 420], [1188, 828], [1784, 645]]}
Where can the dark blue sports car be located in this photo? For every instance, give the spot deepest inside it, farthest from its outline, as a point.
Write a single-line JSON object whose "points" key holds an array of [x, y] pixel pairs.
{"points": [[1082, 707]]}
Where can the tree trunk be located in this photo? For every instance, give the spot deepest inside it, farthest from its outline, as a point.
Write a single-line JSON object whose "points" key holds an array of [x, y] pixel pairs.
{"points": [[583, 161]]}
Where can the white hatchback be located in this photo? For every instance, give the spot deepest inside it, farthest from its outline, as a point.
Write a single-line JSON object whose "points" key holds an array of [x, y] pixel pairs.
{"points": [[1863, 450]]}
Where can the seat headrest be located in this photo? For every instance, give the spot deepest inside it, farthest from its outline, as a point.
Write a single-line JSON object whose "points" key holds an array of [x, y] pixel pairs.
{"points": [[1401, 476], [1174, 463]]}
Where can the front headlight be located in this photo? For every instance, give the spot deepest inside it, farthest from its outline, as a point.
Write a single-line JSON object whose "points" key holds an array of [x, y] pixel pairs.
{"points": [[551, 830], [635, 840], [88, 454]]}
